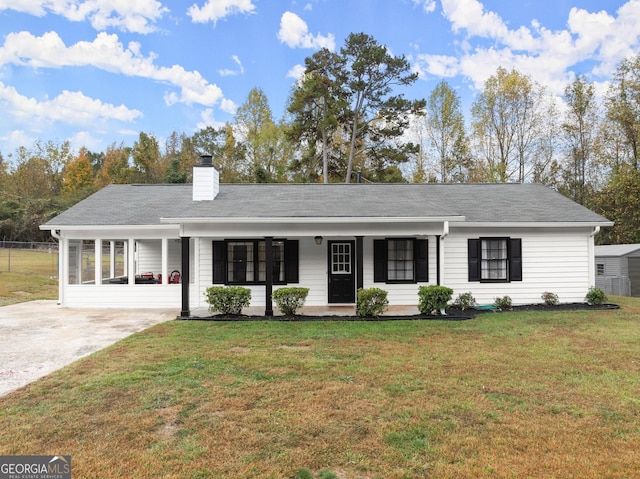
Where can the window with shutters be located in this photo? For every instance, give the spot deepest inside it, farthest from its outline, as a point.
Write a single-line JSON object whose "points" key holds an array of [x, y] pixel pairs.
{"points": [[400, 260], [496, 260], [245, 262]]}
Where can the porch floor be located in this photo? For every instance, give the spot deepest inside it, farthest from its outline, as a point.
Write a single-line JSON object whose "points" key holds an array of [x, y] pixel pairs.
{"points": [[338, 310]]}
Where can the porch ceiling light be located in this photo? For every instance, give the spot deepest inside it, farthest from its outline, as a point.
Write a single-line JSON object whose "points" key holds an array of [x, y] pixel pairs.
{"points": [[318, 240]]}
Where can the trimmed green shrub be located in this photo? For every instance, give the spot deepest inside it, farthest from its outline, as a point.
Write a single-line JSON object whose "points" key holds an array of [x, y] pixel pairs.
{"points": [[433, 298], [503, 303], [228, 299], [595, 296], [289, 300], [372, 302], [465, 301], [549, 298]]}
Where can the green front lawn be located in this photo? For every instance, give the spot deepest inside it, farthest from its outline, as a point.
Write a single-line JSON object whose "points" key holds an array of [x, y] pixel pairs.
{"points": [[506, 395]]}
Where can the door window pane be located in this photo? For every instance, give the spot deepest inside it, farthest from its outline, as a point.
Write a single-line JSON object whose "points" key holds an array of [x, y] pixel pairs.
{"points": [[341, 258]]}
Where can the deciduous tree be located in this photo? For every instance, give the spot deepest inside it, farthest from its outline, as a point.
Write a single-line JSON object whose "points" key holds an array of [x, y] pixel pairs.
{"points": [[623, 106], [258, 132], [506, 123], [446, 132], [77, 177], [579, 131]]}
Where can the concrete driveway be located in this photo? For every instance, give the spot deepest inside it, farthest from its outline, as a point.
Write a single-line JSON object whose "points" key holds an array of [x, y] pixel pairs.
{"points": [[39, 337]]}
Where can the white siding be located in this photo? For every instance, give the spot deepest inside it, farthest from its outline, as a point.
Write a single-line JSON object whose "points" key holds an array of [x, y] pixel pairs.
{"points": [[151, 296], [554, 261], [313, 270], [400, 293], [149, 256]]}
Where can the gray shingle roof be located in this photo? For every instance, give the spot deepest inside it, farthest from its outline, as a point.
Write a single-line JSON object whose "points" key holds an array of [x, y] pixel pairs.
{"points": [[616, 249], [491, 203]]}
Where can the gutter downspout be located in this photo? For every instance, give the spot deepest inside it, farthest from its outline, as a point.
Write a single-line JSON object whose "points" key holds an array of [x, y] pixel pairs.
{"points": [[61, 246], [439, 252], [592, 257]]}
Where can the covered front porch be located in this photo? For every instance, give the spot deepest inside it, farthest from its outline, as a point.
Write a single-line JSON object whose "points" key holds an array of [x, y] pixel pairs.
{"points": [[332, 258]]}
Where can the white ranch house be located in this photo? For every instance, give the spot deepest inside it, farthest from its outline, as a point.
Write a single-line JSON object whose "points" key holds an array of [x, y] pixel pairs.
{"points": [[119, 247]]}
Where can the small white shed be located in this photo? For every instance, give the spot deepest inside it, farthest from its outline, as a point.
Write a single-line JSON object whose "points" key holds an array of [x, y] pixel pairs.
{"points": [[618, 269]]}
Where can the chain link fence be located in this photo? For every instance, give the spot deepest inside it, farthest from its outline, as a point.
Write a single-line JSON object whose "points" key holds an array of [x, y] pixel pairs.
{"points": [[29, 258]]}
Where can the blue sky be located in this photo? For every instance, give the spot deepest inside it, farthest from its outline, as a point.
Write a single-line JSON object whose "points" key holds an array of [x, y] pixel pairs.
{"points": [[95, 72]]}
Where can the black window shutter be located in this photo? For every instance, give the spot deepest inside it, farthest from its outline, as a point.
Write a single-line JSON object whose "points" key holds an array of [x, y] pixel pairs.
{"points": [[291, 255], [515, 259], [379, 261], [219, 262], [473, 246], [422, 260]]}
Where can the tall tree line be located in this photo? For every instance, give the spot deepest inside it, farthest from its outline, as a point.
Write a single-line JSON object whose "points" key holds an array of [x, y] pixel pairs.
{"points": [[348, 114]]}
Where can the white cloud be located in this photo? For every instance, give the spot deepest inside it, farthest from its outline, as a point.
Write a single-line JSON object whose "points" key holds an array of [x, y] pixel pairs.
{"points": [[228, 106], [68, 107], [295, 33], [15, 139], [230, 72], [547, 56], [107, 53], [214, 10], [85, 139], [428, 6], [297, 72], [208, 120], [138, 16], [612, 38]]}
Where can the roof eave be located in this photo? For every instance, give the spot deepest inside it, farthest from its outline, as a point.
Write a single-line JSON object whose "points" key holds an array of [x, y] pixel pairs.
{"points": [[536, 224], [106, 227], [312, 220]]}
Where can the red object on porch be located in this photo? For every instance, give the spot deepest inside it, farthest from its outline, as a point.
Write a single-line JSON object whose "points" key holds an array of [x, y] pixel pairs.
{"points": [[174, 277]]}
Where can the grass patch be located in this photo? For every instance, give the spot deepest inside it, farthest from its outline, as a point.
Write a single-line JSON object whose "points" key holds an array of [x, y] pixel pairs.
{"points": [[27, 275], [532, 394]]}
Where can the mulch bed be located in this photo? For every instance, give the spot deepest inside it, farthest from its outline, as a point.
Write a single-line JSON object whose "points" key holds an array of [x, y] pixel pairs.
{"points": [[453, 314]]}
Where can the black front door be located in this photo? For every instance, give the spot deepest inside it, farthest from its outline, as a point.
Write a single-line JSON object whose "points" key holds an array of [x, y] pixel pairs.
{"points": [[342, 287]]}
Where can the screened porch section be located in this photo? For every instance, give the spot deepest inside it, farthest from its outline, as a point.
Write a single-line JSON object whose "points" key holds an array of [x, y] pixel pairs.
{"points": [[124, 261]]}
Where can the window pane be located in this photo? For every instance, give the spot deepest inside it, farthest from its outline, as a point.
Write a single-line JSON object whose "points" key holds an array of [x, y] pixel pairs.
{"points": [[74, 262], [114, 261], [278, 261], [494, 259], [87, 262], [400, 260], [240, 267]]}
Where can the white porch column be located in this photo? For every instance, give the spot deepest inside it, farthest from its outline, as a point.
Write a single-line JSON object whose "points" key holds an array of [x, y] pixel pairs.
{"points": [[112, 259], [98, 261], [165, 260], [131, 267], [63, 267]]}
